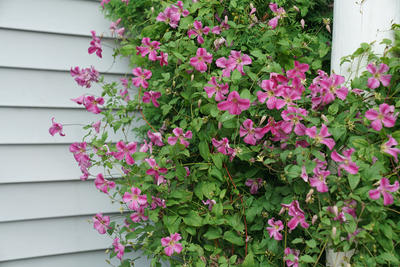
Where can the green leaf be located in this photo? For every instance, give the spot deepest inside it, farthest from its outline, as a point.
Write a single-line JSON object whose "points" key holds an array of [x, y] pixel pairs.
{"points": [[149, 31], [179, 56], [297, 240], [185, 22], [194, 8], [204, 150], [386, 230], [165, 109], [354, 179], [167, 36], [127, 50], [232, 259], [139, 155], [333, 109], [217, 209], [360, 143], [193, 219], [233, 238], [258, 54], [311, 243], [249, 260], [236, 76], [213, 233], [180, 171], [216, 173], [388, 257], [198, 190], [217, 161], [306, 258]]}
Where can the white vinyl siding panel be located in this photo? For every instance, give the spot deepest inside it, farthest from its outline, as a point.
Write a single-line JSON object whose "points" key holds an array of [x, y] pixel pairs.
{"points": [[44, 203]]}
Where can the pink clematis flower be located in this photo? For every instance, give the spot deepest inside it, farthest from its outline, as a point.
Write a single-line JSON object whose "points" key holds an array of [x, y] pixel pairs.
{"points": [[220, 90], [348, 165], [384, 188], [104, 2], [254, 185], [139, 215], [118, 247], [240, 60], [96, 126], [252, 134], [285, 207], [330, 88], [95, 45], [169, 17], [210, 203], [120, 32], [321, 137], [85, 173], [271, 94], [155, 169], [79, 100], [218, 29], [373, 82], [134, 199], [177, 8], [157, 202], [295, 253], [141, 78], [298, 217], [303, 174], [114, 25], [100, 223], [151, 96], [56, 128], [227, 64], [178, 132], [150, 48], [125, 151], [319, 181], [126, 1], [200, 61], [299, 70], [273, 23], [103, 184], [85, 77], [222, 146], [198, 31], [91, 104], [274, 230], [79, 151], [155, 138], [163, 58], [234, 104], [144, 147], [291, 118], [387, 148], [171, 244], [384, 116]]}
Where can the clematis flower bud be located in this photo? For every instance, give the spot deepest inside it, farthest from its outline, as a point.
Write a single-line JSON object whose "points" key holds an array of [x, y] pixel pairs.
{"points": [[296, 8], [199, 103], [336, 211], [192, 78], [334, 231], [328, 28], [314, 219], [263, 118], [325, 119], [309, 195], [219, 125], [226, 19], [302, 22], [152, 9]]}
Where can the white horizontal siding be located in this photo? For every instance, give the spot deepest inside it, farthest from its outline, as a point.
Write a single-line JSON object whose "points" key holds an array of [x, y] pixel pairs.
{"points": [[54, 199], [36, 238], [54, 16], [41, 163], [45, 205], [31, 125], [33, 50], [85, 259], [39, 88]]}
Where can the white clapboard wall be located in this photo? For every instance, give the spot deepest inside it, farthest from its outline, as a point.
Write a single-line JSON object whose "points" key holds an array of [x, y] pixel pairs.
{"points": [[43, 203]]}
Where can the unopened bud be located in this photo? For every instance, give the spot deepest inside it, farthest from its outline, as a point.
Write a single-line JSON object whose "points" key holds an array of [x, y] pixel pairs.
{"points": [[252, 160], [219, 125], [308, 197], [336, 211], [192, 78], [296, 8], [263, 118], [226, 19], [107, 251], [314, 219], [199, 103], [251, 6], [101, 36], [302, 22], [328, 28], [152, 9], [377, 183], [334, 231], [325, 119], [173, 83]]}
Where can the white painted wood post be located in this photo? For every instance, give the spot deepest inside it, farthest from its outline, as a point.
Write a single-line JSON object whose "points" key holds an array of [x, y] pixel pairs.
{"points": [[356, 22]]}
